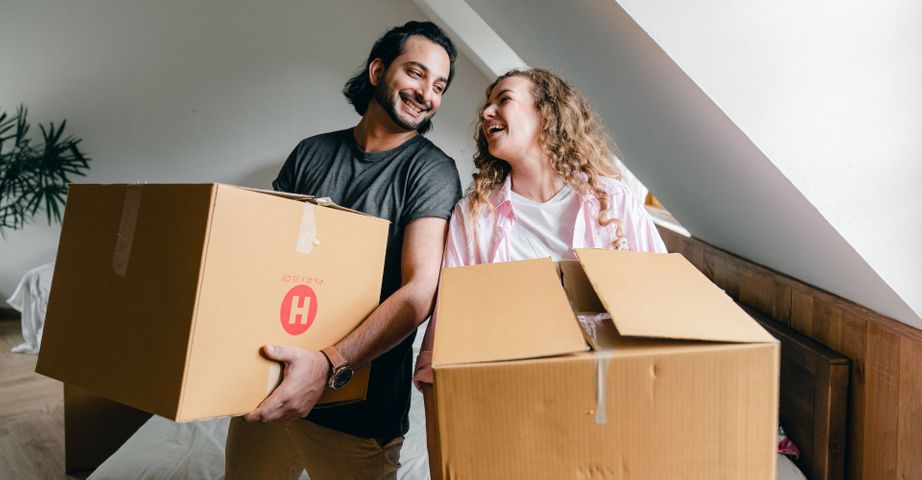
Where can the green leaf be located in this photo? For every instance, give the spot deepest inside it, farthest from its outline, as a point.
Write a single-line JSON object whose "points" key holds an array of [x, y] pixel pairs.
{"points": [[33, 178]]}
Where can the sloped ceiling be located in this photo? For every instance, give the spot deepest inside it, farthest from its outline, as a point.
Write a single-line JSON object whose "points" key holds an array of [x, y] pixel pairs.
{"points": [[676, 138]]}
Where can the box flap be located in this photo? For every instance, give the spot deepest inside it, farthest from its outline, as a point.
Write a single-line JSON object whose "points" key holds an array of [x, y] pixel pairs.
{"points": [[665, 296], [322, 201], [503, 311]]}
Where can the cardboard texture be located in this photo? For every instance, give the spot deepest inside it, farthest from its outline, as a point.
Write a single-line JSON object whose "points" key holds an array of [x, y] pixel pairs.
{"points": [[533, 328], [94, 428], [163, 294], [658, 403]]}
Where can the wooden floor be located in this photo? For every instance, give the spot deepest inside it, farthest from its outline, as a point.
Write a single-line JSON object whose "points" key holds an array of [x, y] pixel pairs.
{"points": [[31, 414]]}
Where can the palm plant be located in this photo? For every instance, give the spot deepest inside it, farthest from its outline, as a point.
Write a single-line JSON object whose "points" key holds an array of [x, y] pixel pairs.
{"points": [[35, 176]]}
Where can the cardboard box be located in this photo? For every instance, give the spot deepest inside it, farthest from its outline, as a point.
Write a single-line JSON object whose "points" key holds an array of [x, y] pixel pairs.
{"points": [[163, 294], [682, 383], [94, 428]]}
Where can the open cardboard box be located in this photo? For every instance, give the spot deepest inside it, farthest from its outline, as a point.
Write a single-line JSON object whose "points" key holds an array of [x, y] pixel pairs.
{"points": [[163, 294], [681, 384]]}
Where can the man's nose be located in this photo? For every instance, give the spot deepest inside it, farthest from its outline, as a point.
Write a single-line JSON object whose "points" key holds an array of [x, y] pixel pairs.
{"points": [[426, 94]]}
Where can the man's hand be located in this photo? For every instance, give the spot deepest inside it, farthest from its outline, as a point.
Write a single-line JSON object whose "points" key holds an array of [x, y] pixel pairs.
{"points": [[304, 379], [423, 373]]}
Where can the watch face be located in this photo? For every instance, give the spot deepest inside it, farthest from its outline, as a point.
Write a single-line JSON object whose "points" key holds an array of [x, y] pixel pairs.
{"points": [[341, 377]]}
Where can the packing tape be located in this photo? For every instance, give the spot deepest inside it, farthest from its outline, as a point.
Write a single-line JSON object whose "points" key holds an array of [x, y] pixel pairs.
{"points": [[601, 376], [307, 231], [125, 236], [274, 378]]}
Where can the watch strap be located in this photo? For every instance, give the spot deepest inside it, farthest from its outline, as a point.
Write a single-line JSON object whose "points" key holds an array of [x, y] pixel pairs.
{"points": [[336, 359]]}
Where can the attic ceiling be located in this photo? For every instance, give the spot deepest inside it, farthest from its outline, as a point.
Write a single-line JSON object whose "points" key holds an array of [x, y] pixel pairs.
{"points": [[701, 164]]}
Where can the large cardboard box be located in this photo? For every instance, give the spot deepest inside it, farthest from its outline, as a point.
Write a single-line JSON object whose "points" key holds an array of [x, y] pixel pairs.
{"points": [[681, 384], [162, 295]]}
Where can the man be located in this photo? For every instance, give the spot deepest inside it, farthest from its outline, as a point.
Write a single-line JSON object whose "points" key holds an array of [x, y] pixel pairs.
{"points": [[385, 167]]}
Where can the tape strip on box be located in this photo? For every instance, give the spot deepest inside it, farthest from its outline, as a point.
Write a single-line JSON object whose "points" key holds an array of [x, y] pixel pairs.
{"points": [[601, 376], [273, 377], [307, 231], [125, 236]]}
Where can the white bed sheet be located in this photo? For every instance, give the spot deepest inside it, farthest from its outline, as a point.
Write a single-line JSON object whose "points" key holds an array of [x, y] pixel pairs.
{"points": [[165, 450], [31, 300]]}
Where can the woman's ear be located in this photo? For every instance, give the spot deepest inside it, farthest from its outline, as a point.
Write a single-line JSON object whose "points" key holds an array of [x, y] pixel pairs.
{"points": [[375, 71]]}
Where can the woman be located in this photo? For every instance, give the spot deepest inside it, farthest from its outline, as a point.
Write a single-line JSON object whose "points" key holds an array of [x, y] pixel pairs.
{"points": [[544, 185]]}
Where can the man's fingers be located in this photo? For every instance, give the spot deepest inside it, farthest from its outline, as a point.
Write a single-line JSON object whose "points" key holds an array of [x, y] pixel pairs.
{"points": [[280, 412], [279, 354], [271, 404], [271, 415], [259, 414], [302, 386], [280, 405], [268, 412]]}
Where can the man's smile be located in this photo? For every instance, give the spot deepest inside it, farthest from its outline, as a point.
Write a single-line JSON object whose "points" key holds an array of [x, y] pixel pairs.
{"points": [[414, 107]]}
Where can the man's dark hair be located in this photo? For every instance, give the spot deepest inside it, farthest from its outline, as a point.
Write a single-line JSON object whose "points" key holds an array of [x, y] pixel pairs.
{"points": [[359, 90]]}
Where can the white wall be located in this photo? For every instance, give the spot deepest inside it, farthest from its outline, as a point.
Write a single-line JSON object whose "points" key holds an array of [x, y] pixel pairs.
{"points": [[197, 91], [715, 177]]}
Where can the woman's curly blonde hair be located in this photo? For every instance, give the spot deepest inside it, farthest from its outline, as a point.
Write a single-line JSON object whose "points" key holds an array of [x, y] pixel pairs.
{"points": [[573, 137]]}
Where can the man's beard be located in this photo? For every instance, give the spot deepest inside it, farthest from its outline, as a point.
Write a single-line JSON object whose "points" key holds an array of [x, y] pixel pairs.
{"points": [[388, 100]]}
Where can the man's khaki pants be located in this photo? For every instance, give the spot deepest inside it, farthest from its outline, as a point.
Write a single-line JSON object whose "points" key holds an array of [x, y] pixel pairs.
{"points": [[282, 450]]}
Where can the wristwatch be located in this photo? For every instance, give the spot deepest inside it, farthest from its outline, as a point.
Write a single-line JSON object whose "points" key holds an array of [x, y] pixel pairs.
{"points": [[340, 370]]}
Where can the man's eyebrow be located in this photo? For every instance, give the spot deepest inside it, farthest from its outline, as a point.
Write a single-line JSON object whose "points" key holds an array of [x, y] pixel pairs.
{"points": [[501, 92], [425, 68]]}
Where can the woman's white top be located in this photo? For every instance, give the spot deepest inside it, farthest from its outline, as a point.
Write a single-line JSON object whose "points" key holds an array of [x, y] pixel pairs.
{"points": [[544, 229]]}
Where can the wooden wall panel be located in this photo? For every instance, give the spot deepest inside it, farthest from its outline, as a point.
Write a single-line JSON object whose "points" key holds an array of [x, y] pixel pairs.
{"points": [[721, 272], [884, 430], [765, 292], [909, 463], [882, 374], [801, 311], [851, 341]]}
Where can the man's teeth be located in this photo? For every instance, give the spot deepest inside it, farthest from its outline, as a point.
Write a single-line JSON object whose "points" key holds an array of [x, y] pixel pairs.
{"points": [[413, 105]]}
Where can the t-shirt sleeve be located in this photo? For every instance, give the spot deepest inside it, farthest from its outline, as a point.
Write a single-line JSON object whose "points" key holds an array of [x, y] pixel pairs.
{"points": [[285, 181], [433, 190]]}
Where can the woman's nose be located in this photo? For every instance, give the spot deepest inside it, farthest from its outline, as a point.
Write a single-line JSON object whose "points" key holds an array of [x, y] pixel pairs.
{"points": [[487, 113]]}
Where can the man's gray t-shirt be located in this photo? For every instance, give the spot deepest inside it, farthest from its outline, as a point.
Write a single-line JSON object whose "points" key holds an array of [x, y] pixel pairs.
{"points": [[411, 181]]}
